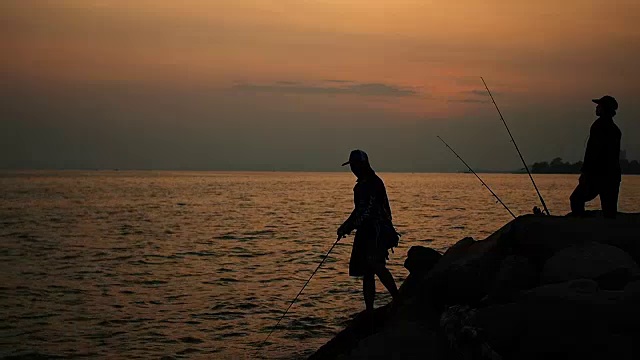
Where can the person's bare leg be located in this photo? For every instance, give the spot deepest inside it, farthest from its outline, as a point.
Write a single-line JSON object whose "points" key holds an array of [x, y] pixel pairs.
{"points": [[387, 280], [369, 290]]}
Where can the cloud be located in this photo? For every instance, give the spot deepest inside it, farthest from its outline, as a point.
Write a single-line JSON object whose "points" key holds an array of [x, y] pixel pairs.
{"points": [[482, 93], [347, 88], [338, 81], [475, 101], [472, 97]]}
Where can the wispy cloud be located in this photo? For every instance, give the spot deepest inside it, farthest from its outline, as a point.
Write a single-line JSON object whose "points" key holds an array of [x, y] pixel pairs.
{"points": [[482, 93], [342, 87], [338, 81], [473, 101], [477, 96], [284, 82]]}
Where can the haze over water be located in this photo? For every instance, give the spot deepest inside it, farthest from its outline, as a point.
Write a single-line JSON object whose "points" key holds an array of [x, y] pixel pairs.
{"points": [[202, 264]]}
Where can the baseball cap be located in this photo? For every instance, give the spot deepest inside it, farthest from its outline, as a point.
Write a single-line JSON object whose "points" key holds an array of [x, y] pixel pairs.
{"points": [[357, 156], [607, 101]]}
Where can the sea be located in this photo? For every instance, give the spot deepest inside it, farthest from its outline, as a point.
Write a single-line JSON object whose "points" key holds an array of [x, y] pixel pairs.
{"points": [[172, 265]]}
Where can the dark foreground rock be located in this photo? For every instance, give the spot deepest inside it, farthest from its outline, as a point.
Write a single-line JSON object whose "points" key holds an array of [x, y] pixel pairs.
{"points": [[541, 287]]}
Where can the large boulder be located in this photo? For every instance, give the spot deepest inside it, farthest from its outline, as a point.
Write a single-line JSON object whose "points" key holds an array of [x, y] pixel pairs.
{"points": [[516, 273], [421, 259], [465, 273], [632, 292], [571, 320], [588, 261], [574, 320], [409, 340], [361, 326], [502, 325], [539, 237]]}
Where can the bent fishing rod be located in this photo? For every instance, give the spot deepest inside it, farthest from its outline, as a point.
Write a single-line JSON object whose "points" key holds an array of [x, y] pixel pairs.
{"points": [[300, 292], [474, 173], [516, 146]]}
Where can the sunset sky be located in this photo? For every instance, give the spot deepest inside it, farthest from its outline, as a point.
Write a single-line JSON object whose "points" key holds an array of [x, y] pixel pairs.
{"points": [[297, 84]]}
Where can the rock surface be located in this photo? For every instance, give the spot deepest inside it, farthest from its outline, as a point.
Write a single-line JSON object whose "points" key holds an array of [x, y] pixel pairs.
{"points": [[540, 287], [587, 261]]}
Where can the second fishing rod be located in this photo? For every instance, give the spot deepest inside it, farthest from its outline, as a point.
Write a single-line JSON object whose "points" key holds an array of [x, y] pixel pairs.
{"points": [[516, 146], [474, 173]]}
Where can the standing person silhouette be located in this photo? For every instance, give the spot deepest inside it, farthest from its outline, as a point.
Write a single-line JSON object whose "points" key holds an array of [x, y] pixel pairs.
{"points": [[601, 174], [372, 219]]}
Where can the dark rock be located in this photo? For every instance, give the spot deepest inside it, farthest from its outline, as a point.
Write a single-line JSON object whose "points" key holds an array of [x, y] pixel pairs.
{"points": [[561, 330], [621, 347], [516, 273], [575, 291], [363, 325], [464, 338], [502, 325], [594, 315], [587, 261], [539, 237], [398, 342], [573, 320], [421, 259], [615, 279], [465, 272], [632, 293], [460, 248]]}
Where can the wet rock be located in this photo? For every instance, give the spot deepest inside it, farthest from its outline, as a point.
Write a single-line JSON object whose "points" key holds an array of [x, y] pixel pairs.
{"points": [[587, 261]]}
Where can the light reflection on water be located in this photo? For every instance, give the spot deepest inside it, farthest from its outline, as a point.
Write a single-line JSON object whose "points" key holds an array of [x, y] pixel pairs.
{"points": [[202, 264]]}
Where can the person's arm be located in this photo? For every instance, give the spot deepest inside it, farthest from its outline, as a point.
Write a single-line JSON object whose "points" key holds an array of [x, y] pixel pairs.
{"points": [[612, 154], [593, 153], [362, 211]]}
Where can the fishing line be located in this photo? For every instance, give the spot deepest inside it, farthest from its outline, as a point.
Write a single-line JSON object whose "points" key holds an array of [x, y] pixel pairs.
{"points": [[474, 173], [518, 150], [296, 298]]}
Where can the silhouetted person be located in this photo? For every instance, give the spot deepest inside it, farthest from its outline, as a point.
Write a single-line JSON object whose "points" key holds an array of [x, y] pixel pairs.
{"points": [[370, 217], [601, 173]]}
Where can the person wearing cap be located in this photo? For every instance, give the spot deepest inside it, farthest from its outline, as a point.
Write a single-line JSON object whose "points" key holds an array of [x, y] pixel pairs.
{"points": [[372, 214], [601, 174]]}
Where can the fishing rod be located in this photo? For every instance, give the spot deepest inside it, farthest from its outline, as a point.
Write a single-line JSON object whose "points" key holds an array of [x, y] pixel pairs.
{"points": [[474, 173], [300, 292], [516, 145]]}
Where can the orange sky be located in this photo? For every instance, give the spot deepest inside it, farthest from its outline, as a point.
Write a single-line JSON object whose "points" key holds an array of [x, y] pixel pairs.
{"points": [[428, 55], [398, 41]]}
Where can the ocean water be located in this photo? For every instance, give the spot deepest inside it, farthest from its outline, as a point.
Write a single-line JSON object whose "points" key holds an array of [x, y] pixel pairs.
{"points": [[202, 264]]}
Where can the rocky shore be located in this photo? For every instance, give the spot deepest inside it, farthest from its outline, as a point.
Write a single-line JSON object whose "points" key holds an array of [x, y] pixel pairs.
{"points": [[541, 287]]}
